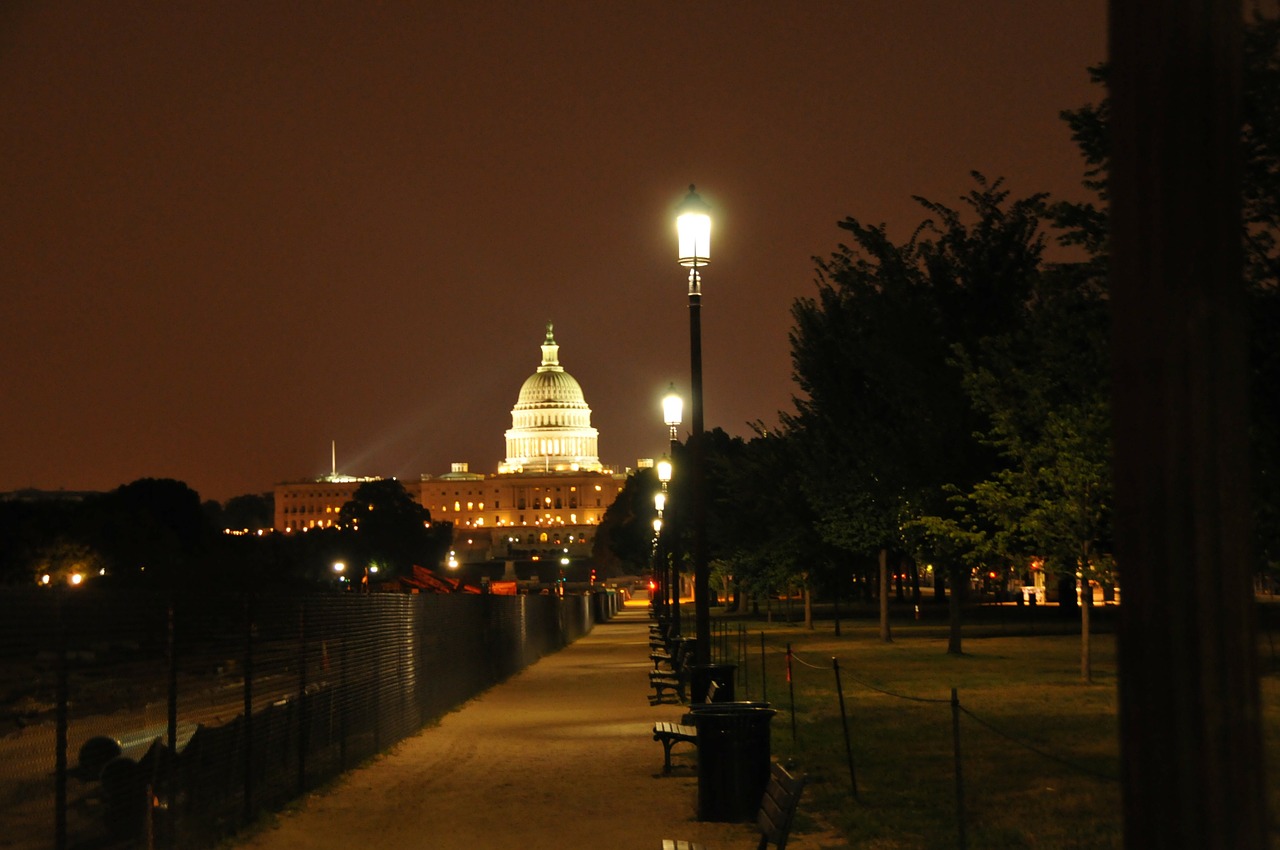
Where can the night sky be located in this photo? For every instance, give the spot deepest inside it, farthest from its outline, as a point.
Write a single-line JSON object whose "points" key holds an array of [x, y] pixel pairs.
{"points": [[232, 232]]}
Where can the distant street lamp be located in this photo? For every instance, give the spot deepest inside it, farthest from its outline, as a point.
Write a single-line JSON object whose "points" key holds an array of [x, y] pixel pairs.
{"points": [[659, 566], [672, 411], [693, 229]]}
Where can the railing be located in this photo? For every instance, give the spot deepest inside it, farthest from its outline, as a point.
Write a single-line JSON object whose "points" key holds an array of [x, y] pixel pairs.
{"points": [[172, 721]]}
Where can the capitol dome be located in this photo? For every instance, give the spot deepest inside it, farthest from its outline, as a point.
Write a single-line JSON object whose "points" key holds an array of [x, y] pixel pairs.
{"points": [[551, 422]]}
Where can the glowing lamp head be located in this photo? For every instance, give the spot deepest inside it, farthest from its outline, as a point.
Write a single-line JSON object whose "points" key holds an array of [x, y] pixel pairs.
{"points": [[660, 501], [657, 526], [672, 407], [693, 226], [664, 470]]}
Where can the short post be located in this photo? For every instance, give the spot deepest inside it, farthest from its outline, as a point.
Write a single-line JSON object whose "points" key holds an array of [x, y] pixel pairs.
{"points": [[764, 680], [742, 660], [791, 688], [844, 724], [955, 737]]}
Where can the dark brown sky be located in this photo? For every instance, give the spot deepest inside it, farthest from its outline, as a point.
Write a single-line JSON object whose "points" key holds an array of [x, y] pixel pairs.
{"points": [[232, 232]]}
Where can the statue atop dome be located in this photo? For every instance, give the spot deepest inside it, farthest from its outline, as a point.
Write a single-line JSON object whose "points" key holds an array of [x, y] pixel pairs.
{"points": [[550, 352], [551, 422]]}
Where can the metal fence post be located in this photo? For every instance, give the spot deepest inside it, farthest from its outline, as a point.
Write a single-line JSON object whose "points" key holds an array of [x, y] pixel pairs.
{"points": [[248, 707], [303, 714], [376, 684], [60, 746], [169, 828]]}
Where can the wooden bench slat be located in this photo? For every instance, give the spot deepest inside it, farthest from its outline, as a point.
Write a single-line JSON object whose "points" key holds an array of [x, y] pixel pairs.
{"points": [[668, 844], [670, 734]]}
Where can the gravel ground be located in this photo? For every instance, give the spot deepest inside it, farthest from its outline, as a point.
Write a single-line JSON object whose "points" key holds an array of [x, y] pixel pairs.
{"points": [[561, 755]]}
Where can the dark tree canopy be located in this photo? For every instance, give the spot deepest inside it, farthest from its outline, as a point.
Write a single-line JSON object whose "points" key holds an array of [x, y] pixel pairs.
{"points": [[884, 423], [386, 527], [624, 539]]}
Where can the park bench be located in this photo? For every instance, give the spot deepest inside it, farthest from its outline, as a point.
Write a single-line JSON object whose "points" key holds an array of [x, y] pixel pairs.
{"points": [[661, 638], [669, 734], [777, 810], [664, 651], [674, 680]]}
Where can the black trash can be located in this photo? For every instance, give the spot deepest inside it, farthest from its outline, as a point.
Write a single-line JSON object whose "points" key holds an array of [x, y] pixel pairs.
{"points": [[733, 761], [702, 675]]}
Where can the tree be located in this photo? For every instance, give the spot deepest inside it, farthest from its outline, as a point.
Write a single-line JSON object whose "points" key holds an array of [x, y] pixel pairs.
{"points": [[27, 527], [1043, 385], [390, 530], [250, 512], [762, 526], [152, 530], [66, 561], [625, 535], [884, 419]]}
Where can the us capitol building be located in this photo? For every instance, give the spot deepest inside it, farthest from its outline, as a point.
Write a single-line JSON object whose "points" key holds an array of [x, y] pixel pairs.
{"points": [[545, 500]]}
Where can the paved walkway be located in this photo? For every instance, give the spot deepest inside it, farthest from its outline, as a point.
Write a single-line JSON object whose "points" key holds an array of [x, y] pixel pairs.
{"points": [[560, 756]]}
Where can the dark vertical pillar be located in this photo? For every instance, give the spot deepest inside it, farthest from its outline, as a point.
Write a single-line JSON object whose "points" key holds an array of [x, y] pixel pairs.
{"points": [[675, 552], [169, 826], [701, 601], [249, 615], [1190, 731], [304, 713], [61, 698]]}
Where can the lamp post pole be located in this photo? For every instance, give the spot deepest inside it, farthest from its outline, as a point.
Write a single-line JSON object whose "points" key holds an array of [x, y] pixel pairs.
{"points": [[672, 415], [693, 227]]}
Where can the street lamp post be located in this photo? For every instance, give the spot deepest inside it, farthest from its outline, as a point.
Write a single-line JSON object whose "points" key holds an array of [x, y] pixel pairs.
{"points": [[693, 227], [672, 415]]}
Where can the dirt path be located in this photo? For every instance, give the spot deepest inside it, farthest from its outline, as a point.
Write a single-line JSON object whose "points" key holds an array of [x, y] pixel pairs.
{"points": [[561, 755]]}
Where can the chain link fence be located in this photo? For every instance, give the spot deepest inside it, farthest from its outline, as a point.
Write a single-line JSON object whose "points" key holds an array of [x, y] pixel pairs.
{"points": [[150, 720]]}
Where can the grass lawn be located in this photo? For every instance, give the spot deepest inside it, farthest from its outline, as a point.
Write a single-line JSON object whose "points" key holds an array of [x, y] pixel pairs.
{"points": [[1039, 749]]}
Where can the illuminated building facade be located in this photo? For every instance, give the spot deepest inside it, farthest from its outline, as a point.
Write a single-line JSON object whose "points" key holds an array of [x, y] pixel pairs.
{"points": [[547, 497], [304, 505], [549, 493], [551, 422]]}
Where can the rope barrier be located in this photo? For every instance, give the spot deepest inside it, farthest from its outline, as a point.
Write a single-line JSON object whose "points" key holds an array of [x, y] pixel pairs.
{"points": [[1044, 754], [796, 657], [944, 701]]}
